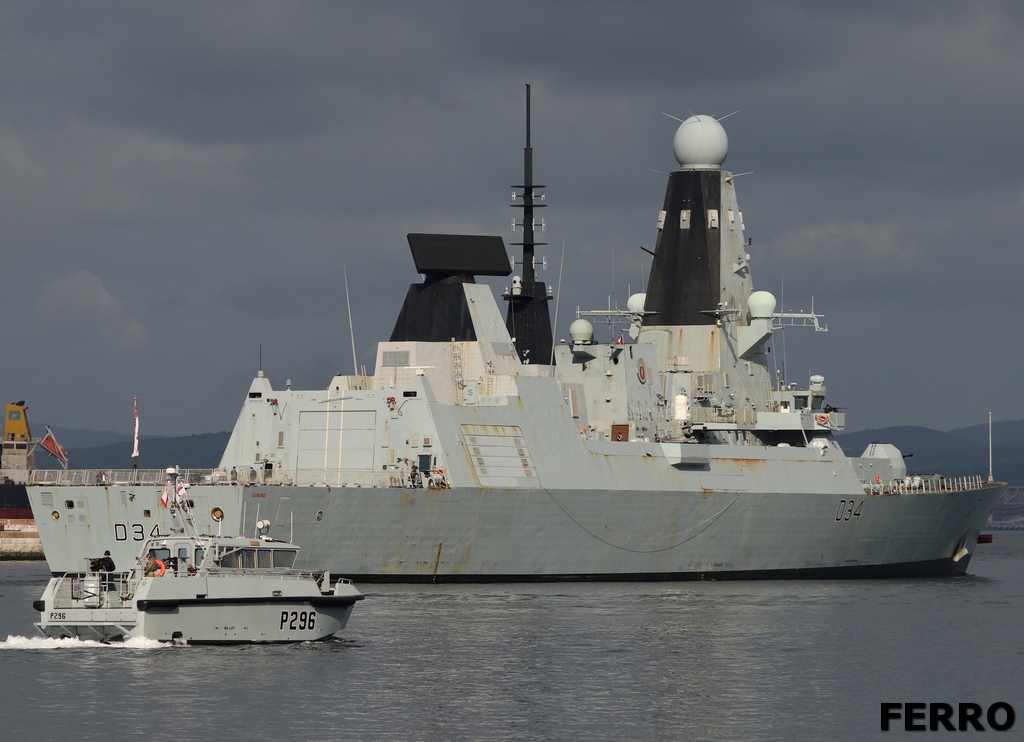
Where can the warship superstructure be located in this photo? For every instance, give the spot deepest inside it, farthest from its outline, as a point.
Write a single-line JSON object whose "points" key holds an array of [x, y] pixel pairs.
{"points": [[469, 456]]}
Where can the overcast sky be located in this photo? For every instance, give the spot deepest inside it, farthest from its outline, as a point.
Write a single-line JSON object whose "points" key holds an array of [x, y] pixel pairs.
{"points": [[182, 182]]}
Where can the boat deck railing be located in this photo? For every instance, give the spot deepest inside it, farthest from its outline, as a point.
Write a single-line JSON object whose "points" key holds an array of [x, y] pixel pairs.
{"points": [[251, 477], [917, 485], [94, 590], [104, 477], [117, 589], [398, 477]]}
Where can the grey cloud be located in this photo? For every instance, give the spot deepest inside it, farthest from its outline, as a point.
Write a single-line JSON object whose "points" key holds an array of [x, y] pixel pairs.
{"points": [[217, 163], [80, 303]]}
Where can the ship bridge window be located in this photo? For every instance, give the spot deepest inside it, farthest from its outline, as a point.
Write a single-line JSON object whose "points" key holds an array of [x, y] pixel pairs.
{"points": [[200, 555], [284, 558], [162, 554], [816, 403], [263, 558], [800, 402], [239, 559]]}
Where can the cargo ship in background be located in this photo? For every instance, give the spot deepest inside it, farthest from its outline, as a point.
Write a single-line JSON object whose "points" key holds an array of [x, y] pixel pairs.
{"points": [[479, 450], [19, 538]]}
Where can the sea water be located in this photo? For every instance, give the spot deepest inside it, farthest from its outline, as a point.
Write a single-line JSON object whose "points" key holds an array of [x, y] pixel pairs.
{"points": [[785, 660]]}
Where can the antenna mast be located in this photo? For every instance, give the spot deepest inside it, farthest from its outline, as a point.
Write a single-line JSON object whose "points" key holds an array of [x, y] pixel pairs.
{"points": [[528, 320], [529, 272], [351, 329], [990, 477]]}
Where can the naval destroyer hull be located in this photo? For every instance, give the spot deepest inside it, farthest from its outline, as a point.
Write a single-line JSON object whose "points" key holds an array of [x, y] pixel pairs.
{"points": [[468, 534], [511, 535]]}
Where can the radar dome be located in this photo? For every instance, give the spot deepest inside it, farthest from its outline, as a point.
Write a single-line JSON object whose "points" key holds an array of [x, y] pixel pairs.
{"points": [[581, 332], [700, 142], [761, 305], [635, 303]]}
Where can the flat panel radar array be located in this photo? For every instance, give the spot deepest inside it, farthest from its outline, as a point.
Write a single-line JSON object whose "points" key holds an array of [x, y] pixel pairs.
{"points": [[436, 311], [454, 254]]}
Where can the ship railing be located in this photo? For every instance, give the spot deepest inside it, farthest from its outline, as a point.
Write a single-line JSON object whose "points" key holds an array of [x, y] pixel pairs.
{"points": [[739, 415], [400, 476], [262, 574], [338, 478], [917, 484], [94, 590], [105, 477], [250, 476]]}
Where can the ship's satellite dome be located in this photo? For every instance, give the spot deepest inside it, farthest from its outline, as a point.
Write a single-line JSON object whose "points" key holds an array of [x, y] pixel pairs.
{"points": [[761, 305], [635, 303], [700, 142], [581, 332]]}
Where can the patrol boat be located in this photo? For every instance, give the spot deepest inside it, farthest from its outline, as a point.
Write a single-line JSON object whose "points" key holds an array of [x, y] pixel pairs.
{"points": [[194, 589], [479, 450]]}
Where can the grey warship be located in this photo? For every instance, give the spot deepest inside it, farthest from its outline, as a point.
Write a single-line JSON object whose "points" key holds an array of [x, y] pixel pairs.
{"points": [[479, 450]]}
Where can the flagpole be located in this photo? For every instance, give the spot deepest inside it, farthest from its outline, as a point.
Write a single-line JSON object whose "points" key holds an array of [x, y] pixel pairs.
{"points": [[135, 451]]}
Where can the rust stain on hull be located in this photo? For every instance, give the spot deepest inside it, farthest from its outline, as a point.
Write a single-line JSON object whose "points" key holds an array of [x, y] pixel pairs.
{"points": [[437, 562]]}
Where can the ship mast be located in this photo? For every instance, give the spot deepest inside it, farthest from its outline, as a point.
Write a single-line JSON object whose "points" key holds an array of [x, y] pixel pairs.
{"points": [[528, 320]]}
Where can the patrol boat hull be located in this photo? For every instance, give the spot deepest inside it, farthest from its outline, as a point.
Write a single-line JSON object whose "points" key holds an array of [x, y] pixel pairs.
{"points": [[164, 609]]}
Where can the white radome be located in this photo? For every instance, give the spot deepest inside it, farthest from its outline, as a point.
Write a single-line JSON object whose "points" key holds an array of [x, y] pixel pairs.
{"points": [[700, 142], [635, 303], [761, 305], [581, 331]]}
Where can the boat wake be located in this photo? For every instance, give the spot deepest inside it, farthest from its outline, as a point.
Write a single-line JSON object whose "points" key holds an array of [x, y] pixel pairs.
{"points": [[41, 642]]}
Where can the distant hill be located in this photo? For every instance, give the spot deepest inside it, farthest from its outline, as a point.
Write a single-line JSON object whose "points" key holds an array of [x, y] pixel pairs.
{"points": [[201, 451], [1002, 432], [907, 438], [85, 438]]}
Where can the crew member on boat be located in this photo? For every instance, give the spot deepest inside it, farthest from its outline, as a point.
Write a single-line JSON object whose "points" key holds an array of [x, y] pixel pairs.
{"points": [[106, 565]]}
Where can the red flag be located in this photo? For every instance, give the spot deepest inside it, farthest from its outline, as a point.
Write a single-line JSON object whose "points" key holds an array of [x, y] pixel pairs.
{"points": [[51, 446], [135, 451], [166, 495], [179, 494], [621, 340]]}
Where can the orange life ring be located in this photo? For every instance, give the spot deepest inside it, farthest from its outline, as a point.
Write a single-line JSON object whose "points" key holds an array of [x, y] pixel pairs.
{"points": [[163, 568], [822, 419]]}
